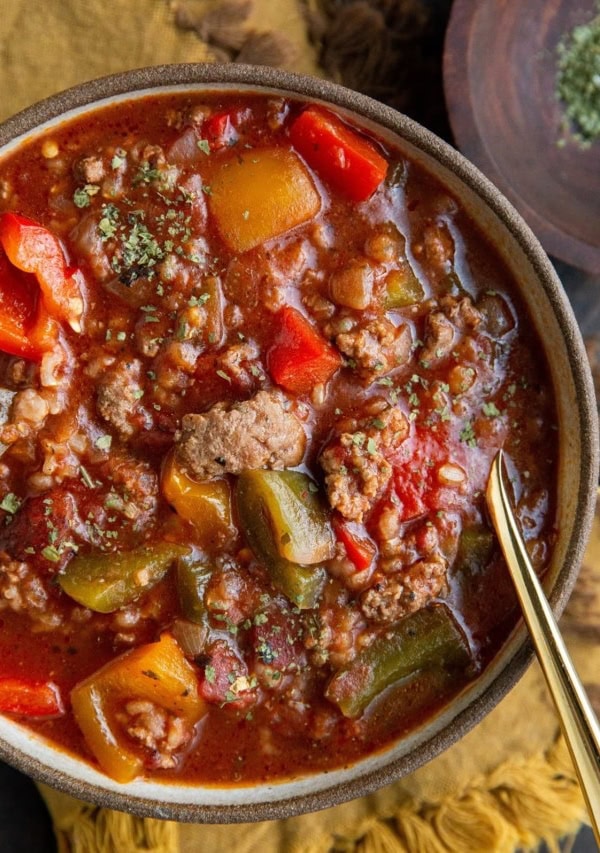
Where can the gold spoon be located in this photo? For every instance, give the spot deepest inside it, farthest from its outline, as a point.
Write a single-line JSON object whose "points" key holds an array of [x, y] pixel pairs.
{"points": [[578, 721]]}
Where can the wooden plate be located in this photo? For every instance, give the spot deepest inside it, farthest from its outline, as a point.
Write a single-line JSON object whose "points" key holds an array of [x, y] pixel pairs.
{"points": [[499, 80]]}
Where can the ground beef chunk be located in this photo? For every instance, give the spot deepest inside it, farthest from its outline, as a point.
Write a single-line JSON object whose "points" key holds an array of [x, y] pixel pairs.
{"points": [[444, 328], [461, 312], [23, 412], [334, 638], [136, 484], [357, 470], [162, 733], [257, 433], [438, 245], [90, 170], [397, 595], [241, 362], [377, 346], [118, 396], [439, 338], [354, 481], [24, 591]]}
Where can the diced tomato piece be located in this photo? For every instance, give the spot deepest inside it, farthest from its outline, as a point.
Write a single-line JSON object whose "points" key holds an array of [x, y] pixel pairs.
{"points": [[31, 699], [413, 471], [410, 493], [416, 469], [34, 249], [300, 357], [360, 550], [343, 158], [220, 130]]}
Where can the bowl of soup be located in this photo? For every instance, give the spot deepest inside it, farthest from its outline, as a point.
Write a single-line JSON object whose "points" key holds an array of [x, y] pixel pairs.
{"points": [[260, 340]]}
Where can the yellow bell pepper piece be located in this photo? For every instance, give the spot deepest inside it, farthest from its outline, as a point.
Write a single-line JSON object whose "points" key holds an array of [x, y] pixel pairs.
{"points": [[207, 505], [158, 672], [258, 194]]}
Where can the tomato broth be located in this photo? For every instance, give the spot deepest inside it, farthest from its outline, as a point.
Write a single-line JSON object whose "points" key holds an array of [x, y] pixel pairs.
{"points": [[255, 367]]}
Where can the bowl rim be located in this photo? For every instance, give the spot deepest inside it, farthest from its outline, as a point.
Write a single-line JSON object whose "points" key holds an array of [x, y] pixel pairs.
{"points": [[152, 80]]}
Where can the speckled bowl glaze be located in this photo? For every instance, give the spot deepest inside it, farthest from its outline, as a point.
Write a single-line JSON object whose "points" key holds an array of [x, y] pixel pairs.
{"points": [[578, 463]]}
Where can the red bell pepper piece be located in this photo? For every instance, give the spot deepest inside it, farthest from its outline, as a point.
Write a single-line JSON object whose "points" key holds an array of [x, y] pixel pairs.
{"points": [[31, 699], [34, 249], [300, 357], [360, 550], [25, 327], [349, 162]]}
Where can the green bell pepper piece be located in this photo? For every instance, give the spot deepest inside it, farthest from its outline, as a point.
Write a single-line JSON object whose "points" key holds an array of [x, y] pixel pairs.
{"points": [[104, 582], [427, 638], [301, 584], [287, 527], [192, 579], [402, 288], [475, 548], [294, 520]]}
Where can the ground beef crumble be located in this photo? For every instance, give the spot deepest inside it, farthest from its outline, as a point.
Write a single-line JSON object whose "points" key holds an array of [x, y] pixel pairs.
{"points": [[376, 347], [22, 590], [397, 595], [158, 730], [355, 464], [118, 397]]}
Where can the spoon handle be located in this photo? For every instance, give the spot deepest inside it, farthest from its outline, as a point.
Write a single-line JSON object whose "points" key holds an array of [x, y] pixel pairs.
{"points": [[578, 721]]}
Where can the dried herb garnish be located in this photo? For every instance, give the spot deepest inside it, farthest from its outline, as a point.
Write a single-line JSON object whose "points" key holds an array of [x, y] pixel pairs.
{"points": [[578, 82]]}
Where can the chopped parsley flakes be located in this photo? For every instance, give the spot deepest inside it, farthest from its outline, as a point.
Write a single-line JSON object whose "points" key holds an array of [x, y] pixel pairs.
{"points": [[82, 196], [10, 503], [118, 159], [104, 442], [51, 554], [490, 410], [467, 435]]}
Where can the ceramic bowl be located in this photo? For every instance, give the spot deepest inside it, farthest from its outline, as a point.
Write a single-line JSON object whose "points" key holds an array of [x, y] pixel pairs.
{"points": [[557, 328]]}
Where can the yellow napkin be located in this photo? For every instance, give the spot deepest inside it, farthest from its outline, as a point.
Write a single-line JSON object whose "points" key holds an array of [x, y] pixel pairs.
{"points": [[49, 45], [509, 782]]}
